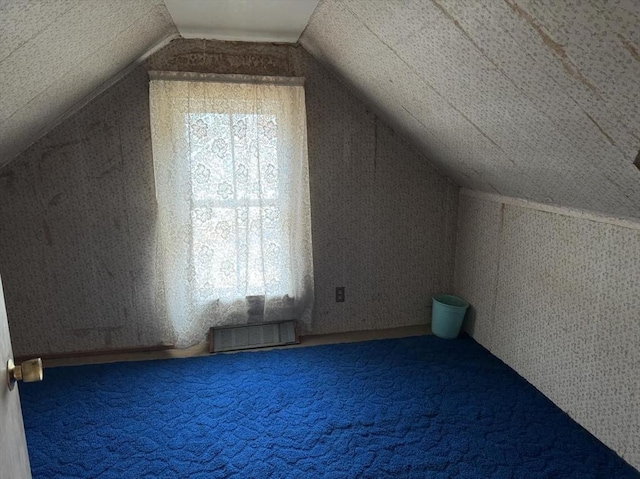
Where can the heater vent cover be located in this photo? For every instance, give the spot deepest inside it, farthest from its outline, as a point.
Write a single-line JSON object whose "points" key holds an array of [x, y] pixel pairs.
{"points": [[250, 336]]}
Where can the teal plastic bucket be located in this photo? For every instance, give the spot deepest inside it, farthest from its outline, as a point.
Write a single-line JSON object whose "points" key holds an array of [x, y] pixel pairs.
{"points": [[447, 315]]}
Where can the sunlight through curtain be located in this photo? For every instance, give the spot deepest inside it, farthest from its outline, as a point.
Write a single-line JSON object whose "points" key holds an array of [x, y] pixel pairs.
{"points": [[232, 188]]}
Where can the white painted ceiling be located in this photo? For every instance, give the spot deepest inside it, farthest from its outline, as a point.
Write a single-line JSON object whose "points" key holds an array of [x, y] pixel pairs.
{"points": [[55, 53], [537, 99], [243, 20]]}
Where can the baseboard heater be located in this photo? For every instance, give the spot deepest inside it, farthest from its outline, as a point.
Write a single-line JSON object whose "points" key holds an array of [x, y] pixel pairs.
{"points": [[251, 336]]}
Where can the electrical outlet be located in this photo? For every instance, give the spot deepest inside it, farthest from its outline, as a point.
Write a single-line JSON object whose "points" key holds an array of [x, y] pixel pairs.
{"points": [[340, 294]]}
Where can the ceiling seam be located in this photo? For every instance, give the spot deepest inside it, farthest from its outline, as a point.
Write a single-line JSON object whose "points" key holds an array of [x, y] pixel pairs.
{"points": [[431, 87], [81, 61], [524, 94], [91, 96], [368, 104], [558, 49], [53, 20], [438, 165], [570, 97], [549, 42]]}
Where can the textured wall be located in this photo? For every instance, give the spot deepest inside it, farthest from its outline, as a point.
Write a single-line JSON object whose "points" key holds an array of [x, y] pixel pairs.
{"points": [[535, 99], [77, 209], [76, 244], [555, 296]]}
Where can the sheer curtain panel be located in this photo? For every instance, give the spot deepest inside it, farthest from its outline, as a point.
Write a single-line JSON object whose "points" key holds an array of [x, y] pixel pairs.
{"points": [[232, 187]]}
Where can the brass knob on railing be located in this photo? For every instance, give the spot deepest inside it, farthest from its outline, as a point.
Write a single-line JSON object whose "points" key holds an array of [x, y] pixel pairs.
{"points": [[29, 372]]}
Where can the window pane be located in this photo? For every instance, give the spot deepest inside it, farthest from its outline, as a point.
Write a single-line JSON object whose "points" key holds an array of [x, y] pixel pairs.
{"points": [[229, 168], [238, 239], [211, 156]]}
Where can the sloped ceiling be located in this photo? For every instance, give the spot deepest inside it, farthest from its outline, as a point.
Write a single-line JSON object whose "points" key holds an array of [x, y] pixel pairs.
{"points": [[537, 99], [54, 53]]}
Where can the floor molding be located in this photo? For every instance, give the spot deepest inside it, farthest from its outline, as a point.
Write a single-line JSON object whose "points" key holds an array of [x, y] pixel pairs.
{"points": [[92, 354], [169, 352]]}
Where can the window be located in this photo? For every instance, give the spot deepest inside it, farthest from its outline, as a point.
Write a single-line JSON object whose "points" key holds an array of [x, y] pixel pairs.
{"points": [[234, 236], [235, 176]]}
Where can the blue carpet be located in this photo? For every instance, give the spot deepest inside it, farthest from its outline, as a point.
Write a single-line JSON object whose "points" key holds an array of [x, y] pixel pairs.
{"points": [[415, 407]]}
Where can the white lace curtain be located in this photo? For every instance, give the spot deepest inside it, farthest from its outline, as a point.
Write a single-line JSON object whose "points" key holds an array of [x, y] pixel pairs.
{"points": [[232, 186]]}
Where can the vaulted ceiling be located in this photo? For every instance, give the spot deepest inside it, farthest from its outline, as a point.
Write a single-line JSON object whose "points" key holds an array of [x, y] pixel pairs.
{"points": [[55, 53], [537, 99]]}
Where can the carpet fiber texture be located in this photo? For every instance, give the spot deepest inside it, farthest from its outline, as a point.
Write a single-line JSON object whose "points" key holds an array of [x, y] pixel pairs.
{"points": [[417, 407]]}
